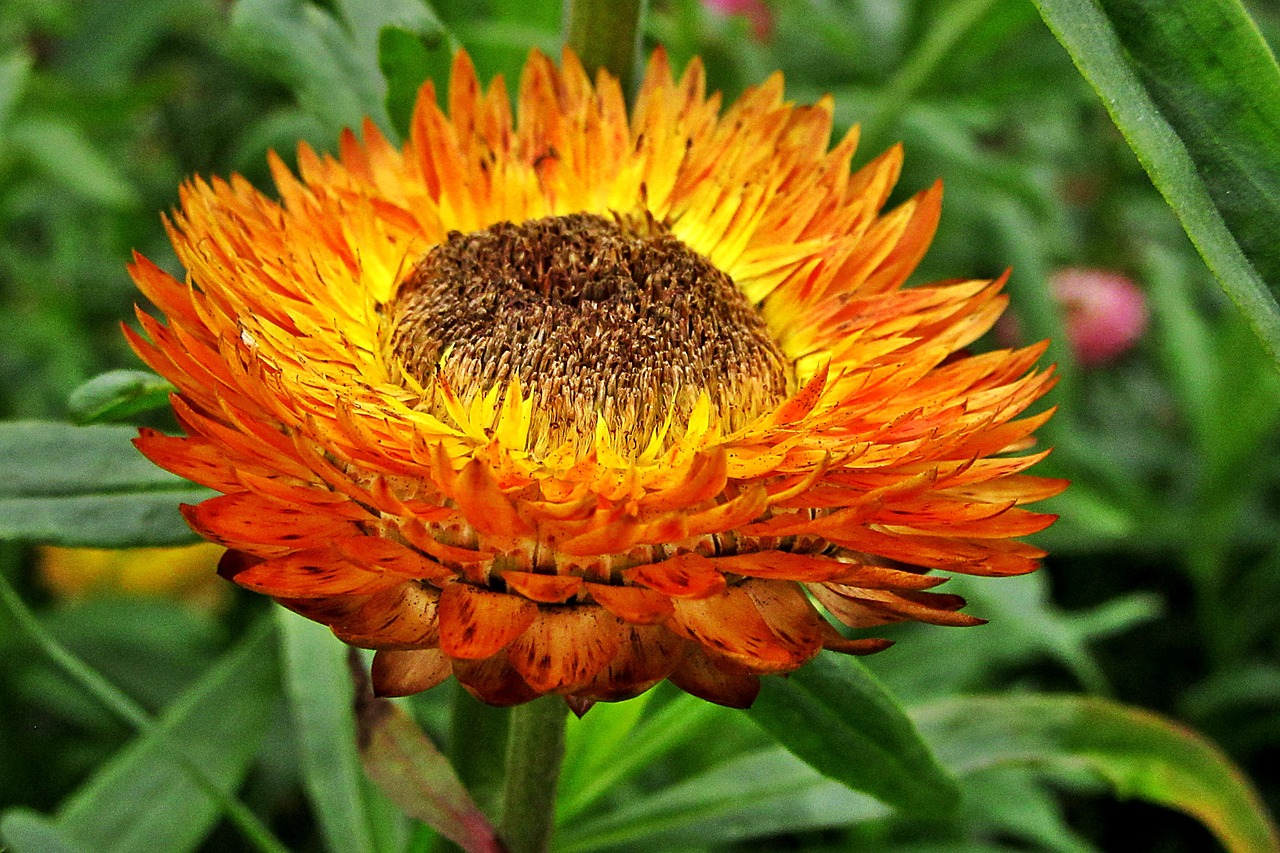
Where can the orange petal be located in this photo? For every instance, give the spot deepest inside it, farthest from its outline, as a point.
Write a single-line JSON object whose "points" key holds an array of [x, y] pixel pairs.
{"points": [[279, 489], [836, 642], [715, 680], [191, 458], [477, 623], [789, 614], [646, 654], [403, 673], [326, 611], [403, 617], [637, 604], [729, 515], [243, 519], [802, 402], [682, 576], [853, 613], [783, 565], [493, 680], [564, 647], [548, 589], [378, 552], [483, 503], [420, 537], [860, 608], [314, 573], [705, 478], [731, 626]]}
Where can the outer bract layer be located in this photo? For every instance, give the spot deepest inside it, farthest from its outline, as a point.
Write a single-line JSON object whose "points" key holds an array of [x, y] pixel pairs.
{"points": [[697, 534]]}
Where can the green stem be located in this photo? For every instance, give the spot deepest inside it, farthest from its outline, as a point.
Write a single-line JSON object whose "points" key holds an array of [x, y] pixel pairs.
{"points": [[606, 34], [535, 748], [477, 748], [135, 715]]}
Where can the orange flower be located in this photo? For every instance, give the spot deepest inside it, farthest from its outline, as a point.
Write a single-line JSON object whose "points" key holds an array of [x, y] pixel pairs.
{"points": [[583, 403]]}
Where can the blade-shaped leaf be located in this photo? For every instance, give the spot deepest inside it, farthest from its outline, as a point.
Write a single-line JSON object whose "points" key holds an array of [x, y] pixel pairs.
{"points": [[1139, 753], [612, 744], [87, 486], [1215, 81], [1196, 93], [760, 794], [146, 798], [838, 717], [330, 61], [118, 394], [67, 154], [318, 684], [407, 60], [406, 765], [30, 832], [15, 71]]}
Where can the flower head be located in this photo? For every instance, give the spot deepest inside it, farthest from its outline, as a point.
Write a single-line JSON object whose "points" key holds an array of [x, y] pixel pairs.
{"points": [[583, 402]]}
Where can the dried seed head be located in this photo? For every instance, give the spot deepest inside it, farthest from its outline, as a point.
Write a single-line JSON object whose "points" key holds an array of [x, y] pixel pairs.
{"points": [[595, 317]]}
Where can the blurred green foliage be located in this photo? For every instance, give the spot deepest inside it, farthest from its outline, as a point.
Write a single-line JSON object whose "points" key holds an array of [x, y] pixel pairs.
{"points": [[1165, 562]]}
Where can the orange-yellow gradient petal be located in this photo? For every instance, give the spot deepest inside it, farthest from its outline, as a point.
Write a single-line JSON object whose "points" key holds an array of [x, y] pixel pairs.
{"points": [[574, 400]]}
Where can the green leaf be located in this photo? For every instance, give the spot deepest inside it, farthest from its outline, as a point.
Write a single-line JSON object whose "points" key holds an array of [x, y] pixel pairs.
{"points": [[1216, 82], [1139, 753], [612, 744], [409, 769], [25, 831], [66, 155], [836, 716], [759, 794], [146, 798], [150, 648], [87, 487], [321, 701], [118, 394], [15, 70], [311, 52], [330, 61], [407, 60], [1196, 93]]}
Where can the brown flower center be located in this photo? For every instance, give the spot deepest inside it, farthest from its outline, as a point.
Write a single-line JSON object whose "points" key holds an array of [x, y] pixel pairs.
{"points": [[597, 317]]}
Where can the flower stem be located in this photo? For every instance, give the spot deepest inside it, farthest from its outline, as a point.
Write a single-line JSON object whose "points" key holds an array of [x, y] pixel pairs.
{"points": [[478, 748], [606, 34], [535, 748]]}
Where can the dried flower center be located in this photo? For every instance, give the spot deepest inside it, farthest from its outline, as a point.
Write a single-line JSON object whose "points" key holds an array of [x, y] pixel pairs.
{"points": [[596, 317]]}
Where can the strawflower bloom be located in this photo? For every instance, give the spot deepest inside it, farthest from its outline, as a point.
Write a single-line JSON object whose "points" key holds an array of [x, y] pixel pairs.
{"points": [[580, 402]]}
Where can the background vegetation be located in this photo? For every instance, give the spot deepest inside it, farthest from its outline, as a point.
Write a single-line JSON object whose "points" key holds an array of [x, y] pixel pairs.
{"points": [[1165, 571]]}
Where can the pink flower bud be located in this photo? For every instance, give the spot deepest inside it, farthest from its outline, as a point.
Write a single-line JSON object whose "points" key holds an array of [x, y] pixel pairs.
{"points": [[1105, 314]]}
